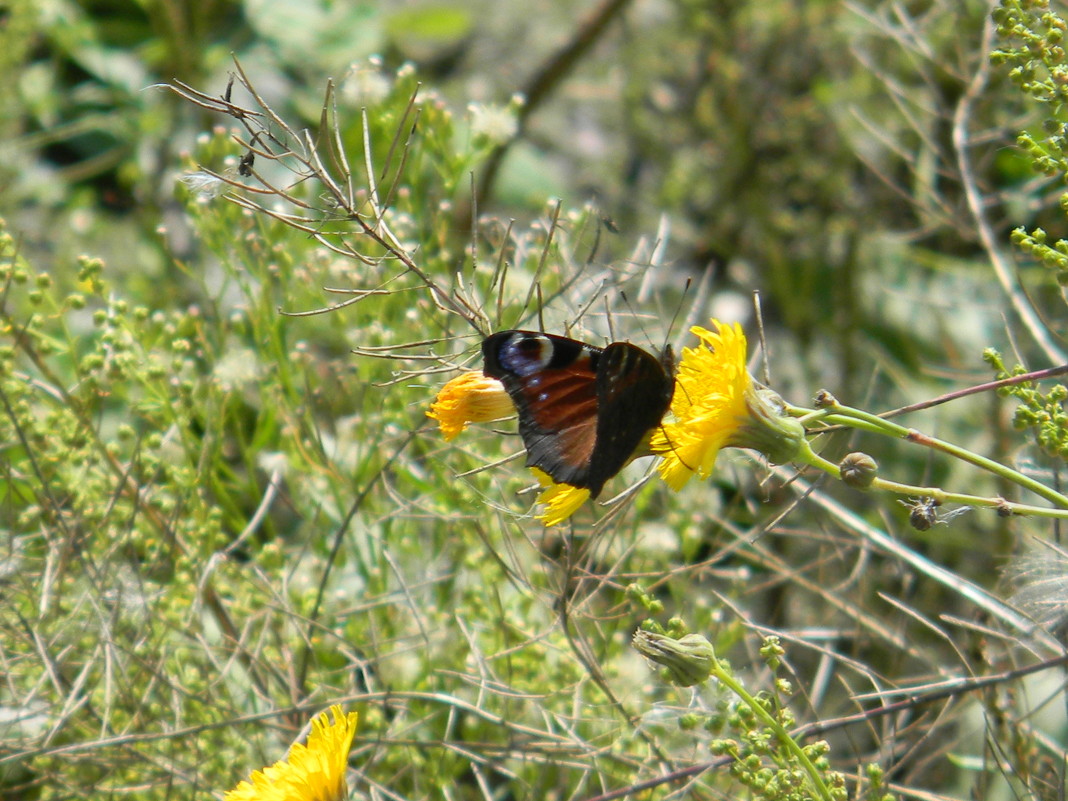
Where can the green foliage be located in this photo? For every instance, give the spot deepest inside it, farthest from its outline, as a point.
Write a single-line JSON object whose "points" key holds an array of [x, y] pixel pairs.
{"points": [[1033, 36], [1040, 411], [1034, 54]]}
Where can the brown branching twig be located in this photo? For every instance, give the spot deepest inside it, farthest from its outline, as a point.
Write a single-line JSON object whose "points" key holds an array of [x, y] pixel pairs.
{"points": [[546, 79], [301, 154]]}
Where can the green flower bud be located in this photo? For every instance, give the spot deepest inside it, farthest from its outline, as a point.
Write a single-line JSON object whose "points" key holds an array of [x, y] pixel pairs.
{"points": [[689, 660], [858, 470]]}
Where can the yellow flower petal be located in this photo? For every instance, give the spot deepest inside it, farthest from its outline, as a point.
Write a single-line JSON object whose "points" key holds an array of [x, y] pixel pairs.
{"points": [[471, 397], [560, 500], [717, 405], [709, 404], [312, 772]]}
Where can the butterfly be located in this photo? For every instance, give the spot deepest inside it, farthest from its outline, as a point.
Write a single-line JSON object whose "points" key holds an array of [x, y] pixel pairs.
{"points": [[583, 410]]}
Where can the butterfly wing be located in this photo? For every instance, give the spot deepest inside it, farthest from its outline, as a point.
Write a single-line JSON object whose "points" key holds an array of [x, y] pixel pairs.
{"points": [[634, 391], [553, 383], [582, 411]]}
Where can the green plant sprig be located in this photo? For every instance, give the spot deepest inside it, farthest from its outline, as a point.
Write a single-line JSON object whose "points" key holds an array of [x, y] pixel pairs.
{"points": [[690, 659], [721, 673]]}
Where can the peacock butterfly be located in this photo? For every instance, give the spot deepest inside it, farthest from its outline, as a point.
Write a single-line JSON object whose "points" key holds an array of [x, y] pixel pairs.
{"points": [[583, 410]]}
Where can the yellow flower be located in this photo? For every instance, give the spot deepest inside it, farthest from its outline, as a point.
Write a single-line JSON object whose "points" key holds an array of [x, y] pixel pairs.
{"points": [[471, 397], [476, 398], [560, 500], [312, 772], [717, 405]]}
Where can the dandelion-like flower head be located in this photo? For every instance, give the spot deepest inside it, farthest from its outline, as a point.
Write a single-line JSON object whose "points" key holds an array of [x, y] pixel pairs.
{"points": [[471, 397], [717, 405], [560, 500], [312, 772]]}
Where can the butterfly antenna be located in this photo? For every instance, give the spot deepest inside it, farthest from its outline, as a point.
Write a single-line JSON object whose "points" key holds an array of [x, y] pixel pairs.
{"points": [[635, 315], [541, 306], [498, 284], [678, 311], [700, 300], [501, 269]]}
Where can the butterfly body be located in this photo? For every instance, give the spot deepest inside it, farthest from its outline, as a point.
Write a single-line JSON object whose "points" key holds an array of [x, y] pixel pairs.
{"points": [[583, 410]]}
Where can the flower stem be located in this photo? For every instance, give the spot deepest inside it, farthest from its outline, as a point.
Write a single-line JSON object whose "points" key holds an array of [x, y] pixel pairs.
{"points": [[1007, 507], [726, 679], [837, 414]]}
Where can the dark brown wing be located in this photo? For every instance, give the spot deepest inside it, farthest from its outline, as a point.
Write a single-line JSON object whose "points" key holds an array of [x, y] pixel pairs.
{"points": [[582, 411], [633, 393], [553, 384]]}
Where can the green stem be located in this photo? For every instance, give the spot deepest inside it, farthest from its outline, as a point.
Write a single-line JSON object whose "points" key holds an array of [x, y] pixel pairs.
{"points": [[813, 459], [838, 414], [725, 678]]}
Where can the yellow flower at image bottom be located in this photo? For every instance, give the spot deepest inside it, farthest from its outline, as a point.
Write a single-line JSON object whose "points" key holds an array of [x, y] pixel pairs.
{"points": [[312, 772]]}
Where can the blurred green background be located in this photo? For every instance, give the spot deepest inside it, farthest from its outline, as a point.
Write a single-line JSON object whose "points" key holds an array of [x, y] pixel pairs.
{"points": [[216, 519]]}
